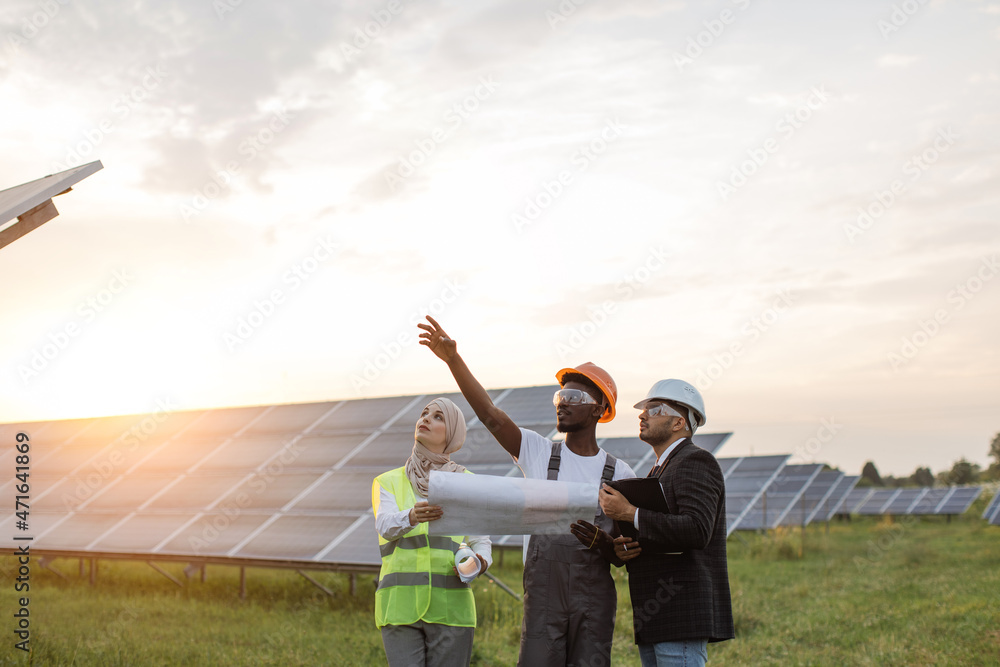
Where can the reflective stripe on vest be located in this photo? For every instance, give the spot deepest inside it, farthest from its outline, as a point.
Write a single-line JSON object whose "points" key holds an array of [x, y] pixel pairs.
{"points": [[417, 580], [418, 541], [420, 579]]}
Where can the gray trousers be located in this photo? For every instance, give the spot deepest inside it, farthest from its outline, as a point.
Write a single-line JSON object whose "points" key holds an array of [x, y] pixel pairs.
{"points": [[569, 605], [427, 645]]}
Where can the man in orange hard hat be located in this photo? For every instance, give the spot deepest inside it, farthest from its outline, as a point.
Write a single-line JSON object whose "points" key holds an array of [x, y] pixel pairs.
{"points": [[569, 595]]}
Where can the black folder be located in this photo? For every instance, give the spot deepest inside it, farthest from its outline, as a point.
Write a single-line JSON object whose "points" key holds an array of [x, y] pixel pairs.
{"points": [[644, 492]]}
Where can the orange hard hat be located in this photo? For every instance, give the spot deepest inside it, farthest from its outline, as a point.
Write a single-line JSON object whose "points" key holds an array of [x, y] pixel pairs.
{"points": [[602, 379]]}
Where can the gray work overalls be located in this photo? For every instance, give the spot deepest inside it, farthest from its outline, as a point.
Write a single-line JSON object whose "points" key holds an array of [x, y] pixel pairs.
{"points": [[569, 595]]}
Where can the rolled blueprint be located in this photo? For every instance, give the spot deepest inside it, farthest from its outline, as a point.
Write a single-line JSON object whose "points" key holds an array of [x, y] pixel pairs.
{"points": [[490, 505]]}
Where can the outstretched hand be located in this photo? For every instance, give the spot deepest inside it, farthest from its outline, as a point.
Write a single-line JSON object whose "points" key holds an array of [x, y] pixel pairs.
{"points": [[435, 338]]}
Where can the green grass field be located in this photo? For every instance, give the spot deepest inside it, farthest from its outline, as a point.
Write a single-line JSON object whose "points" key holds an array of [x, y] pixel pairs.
{"points": [[871, 592]]}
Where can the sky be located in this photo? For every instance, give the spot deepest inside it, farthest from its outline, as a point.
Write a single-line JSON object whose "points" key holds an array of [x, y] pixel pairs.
{"points": [[791, 205]]}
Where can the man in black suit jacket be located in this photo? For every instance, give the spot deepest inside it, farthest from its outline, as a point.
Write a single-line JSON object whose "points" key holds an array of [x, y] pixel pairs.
{"points": [[678, 576]]}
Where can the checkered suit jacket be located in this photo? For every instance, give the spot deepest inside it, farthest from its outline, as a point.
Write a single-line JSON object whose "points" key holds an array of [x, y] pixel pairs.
{"points": [[684, 594]]}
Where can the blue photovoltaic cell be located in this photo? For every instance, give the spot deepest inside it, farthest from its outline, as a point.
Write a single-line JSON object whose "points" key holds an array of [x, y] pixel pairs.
{"points": [[959, 500], [906, 499], [854, 500], [813, 498], [929, 502], [877, 501], [837, 497], [746, 483], [781, 497]]}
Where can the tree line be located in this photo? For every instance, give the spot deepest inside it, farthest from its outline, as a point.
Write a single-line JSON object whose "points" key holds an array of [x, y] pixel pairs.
{"points": [[961, 472]]}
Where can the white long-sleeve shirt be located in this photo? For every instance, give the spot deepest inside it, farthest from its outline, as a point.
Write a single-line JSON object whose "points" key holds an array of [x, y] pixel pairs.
{"points": [[392, 523]]}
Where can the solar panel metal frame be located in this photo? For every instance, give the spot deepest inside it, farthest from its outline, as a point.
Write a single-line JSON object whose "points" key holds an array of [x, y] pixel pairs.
{"points": [[992, 511], [801, 476]]}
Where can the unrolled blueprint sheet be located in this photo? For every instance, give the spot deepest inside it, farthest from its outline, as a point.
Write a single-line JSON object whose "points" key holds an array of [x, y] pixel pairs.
{"points": [[490, 505]]}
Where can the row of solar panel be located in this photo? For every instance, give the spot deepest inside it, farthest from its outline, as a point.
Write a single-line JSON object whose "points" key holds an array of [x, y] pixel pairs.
{"points": [[292, 482]]}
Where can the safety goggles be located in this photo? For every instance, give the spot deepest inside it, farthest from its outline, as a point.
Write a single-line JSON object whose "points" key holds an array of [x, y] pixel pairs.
{"points": [[572, 397], [661, 409]]}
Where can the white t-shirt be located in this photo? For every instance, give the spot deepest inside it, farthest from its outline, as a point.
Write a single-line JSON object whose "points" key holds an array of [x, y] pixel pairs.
{"points": [[534, 463]]}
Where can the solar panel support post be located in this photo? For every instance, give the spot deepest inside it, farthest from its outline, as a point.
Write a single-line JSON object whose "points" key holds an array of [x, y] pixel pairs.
{"points": [[45, 561], [319, 585], [354, 584], [164, 573], [502, 586], [93, 571], [243, 583]]}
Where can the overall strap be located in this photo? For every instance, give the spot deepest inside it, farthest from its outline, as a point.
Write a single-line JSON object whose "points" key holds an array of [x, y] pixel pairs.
{"points": [[554, 460], [606, 476], [609, 469]]}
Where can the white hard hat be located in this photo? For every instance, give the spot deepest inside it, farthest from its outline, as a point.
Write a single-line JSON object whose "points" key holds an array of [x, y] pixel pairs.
{"points": [[681, 392]]}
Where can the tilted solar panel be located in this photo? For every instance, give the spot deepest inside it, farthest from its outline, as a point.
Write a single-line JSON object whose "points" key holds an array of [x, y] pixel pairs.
{"points": [[959, 501], [855, 498], [838, 495], [813, 497], [930, 501], [993, 509], [904, 501], [876, 503]]}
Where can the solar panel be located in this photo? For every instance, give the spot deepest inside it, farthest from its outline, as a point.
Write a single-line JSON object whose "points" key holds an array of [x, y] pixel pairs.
{"points": [[905, 500], [930, 501], [992, 513], [876, 503], [813, 498], [529, 405], [959, 500], [746, 482], [781, 497], [31, 203], [854, 499], [837, 497], [280, 484]]}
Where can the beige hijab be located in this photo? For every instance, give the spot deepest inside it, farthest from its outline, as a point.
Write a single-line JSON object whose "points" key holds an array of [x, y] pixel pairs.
{"points": [[423, 460]]}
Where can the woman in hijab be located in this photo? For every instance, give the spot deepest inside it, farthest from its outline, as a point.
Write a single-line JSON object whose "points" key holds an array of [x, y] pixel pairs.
{"points": [[426, 613]]}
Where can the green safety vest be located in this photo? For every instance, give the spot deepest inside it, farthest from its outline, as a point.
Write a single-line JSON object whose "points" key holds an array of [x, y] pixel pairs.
{"points": [[417, 582]]}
